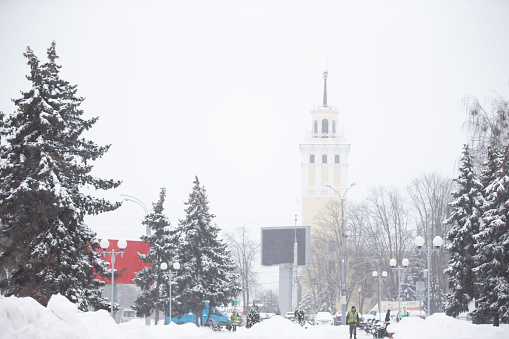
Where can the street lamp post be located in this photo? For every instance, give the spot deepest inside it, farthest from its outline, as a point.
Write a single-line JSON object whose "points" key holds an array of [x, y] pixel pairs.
{"points": [[122, 244], [360, 307], [393, 264], [147, 228], [375, 275], [343, 250], [139, 202], [264, 308], [437, 243], [164, 267], [295, 273]]}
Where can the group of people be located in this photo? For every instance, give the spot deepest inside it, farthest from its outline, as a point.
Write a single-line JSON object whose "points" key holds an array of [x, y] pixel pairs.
{"points": [[352, 319]]}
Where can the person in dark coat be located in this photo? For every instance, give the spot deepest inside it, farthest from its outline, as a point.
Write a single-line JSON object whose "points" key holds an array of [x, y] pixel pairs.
{"points": [[388, 315]]}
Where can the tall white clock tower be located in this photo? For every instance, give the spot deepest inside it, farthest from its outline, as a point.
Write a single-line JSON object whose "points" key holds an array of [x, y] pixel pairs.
{"points": [[324, 160]]}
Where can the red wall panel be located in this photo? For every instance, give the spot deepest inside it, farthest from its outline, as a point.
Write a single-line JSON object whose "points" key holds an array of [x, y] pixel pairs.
{"points": [[126, 264]]}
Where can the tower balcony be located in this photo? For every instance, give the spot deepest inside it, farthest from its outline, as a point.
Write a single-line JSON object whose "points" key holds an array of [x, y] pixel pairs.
{"points": [[325, 135]]}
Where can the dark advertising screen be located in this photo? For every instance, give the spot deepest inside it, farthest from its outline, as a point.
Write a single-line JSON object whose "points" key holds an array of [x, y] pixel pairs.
{"points": [[277, 245]]}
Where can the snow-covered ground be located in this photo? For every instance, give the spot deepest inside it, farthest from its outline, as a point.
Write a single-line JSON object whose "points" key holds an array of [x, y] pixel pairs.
{"points": [[25, 318]]}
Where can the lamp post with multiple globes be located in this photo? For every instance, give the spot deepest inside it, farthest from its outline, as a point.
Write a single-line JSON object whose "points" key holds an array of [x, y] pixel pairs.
{"points": [[121, 244], [380, 279], [437, 243], [393, 264], [164, 267]]}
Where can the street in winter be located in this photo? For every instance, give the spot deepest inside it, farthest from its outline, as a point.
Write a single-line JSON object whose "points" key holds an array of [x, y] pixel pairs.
{"points": [[254, 169], [22, 318]]}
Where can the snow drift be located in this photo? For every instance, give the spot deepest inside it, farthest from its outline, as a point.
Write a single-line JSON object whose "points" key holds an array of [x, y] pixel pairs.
{"points": [[26, 318]]}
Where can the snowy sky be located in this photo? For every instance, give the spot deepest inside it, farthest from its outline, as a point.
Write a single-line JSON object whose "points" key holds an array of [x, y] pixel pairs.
{"points": [[223, 90]]}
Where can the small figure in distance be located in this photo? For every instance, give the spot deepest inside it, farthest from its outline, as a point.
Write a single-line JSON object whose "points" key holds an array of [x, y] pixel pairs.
{"points": [[353, 321]]}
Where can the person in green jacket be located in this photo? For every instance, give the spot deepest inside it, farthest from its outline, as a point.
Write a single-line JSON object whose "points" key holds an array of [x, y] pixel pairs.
{"points": [[235, 321], [353, 321]]}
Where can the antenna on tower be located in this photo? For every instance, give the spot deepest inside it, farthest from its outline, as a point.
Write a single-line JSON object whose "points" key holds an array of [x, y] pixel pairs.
{"points": [[325, 74]]}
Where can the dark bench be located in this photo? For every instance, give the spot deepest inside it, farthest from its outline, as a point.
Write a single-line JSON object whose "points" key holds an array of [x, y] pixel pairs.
{"points": [[381, 330]]}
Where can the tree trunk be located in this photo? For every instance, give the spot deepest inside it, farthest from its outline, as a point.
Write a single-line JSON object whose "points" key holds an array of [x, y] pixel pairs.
{"points": [[246, 306], [199, 314]]}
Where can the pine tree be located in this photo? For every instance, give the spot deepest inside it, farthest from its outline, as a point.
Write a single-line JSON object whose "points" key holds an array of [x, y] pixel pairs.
{"points": [[3, 238], [207, 270], [44, 164], [492, 245], [409, 277], [152, 280], [466, 222], [253, 317]]}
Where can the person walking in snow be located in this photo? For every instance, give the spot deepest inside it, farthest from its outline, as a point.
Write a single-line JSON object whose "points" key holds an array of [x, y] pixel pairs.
{"points": [[388, 315], [353, 321], [235, 321]]}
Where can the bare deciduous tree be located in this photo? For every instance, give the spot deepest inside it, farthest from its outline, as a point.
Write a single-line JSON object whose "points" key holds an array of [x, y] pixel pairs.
{"points": [[387, 232], [487, 128], [244, 251], [380, 228], [430, 195], [324, 276]]}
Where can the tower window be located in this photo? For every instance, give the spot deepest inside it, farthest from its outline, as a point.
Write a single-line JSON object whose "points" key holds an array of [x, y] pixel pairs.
{"points": [[336, 159], [315, 127], [325, 127], [312, 159], [324, 159], [334, 126]]}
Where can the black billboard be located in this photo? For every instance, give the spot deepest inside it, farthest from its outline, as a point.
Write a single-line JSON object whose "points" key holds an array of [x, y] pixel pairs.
{"points": [[277, 245]]}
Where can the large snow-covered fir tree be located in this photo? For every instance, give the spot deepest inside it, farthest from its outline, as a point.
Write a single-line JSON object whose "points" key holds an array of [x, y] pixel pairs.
{"points": [[207, 270], [465, 223], [492, 242], [152, 280], [45, 161]]}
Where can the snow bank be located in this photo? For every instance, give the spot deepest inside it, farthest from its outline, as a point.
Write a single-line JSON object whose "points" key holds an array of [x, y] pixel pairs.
{"points": [[63, 309], [26, 318], [275, 327], [440, 326]]}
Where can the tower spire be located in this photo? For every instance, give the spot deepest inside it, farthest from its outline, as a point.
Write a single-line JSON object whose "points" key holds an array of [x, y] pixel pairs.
{"points": [[325, 73]]}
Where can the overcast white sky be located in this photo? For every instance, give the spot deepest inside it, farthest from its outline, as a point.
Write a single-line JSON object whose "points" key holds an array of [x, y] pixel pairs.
{"points": [[224, 89]]}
